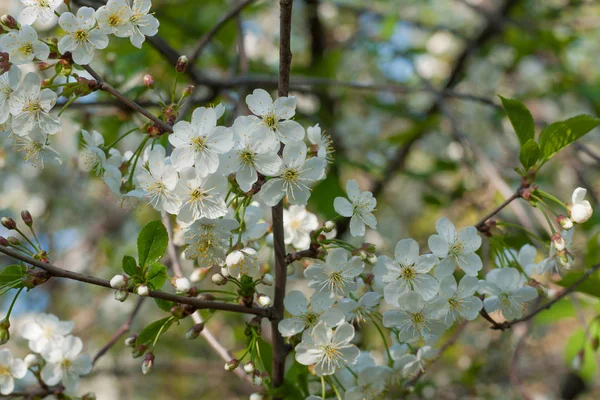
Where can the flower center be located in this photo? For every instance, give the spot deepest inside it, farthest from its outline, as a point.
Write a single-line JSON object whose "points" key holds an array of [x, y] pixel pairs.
{"points": [[196, 195], [32, 107], [43, 3], [291, 175], [114, 20], [418, 318], [457, 248], [26, 49], [199, 143], [270, 121], [67, 364], [409, 273], [81, 35], [4, 370], [310, 319], [454, 303], [247, 157]]}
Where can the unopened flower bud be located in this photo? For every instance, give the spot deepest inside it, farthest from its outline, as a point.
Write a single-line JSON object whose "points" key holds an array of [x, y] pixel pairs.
{"points": [[267, 280], [256, 396], [257, 379], [581, 210], [328, 226], [362, 254], [149, 81], [4, 331], [188, 91], [9, 223], [264, 300], [118, 281], [564, 222], [371, 258], [4, 241], [27, 218], [121, 295], [148, 363], [194, 331], [9, 21], [181, 285], [142, 290], [199, 274], [249, 367], [558, 241], [31, 360], [182, 64], [219, 279], [225, 272], [130, 341], [13, 241], [231, 364]]}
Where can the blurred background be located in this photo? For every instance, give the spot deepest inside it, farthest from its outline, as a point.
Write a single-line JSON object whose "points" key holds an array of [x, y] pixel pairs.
{"points": [[407, 90]]}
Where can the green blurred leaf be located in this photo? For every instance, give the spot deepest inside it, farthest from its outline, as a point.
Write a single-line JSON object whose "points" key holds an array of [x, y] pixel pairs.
{"points": [[520, 118], [559, 135], [297, 376], [529, 154], [589, 286], [149, 333], [157, 276], [130, 266], [152, 243], [592, 254], [265, 351], [562, 309], [576, 342], [387, 27], [164, 305], [324, 193], [10, 274]]}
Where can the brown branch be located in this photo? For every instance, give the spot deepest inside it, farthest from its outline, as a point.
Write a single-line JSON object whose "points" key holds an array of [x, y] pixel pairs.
{"points": [[207, 37], [197, 303], [481, 224], [102, 85], [123, 329], [285, 62]]}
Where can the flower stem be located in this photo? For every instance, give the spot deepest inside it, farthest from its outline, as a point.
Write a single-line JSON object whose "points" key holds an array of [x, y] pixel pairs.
{"points": [[120, 138], [387, 349], [12, 304]]}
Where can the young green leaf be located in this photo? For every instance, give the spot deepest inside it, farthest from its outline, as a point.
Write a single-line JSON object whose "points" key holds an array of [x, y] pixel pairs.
{"points": [[529, 154], [559, 135], [265, 353], [157, 276], [11, 274], [152, 243], [520, 118], [149, 333], [130, 266], [164, 305]]}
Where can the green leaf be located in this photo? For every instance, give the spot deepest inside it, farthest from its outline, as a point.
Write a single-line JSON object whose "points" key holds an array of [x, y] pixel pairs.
{"points": [[130, 266], [529, 154], [559, 135], [520, 118], [149, 333], [265, 352], [577, 342], [11, 273], [164, 305], [157, 276], [152, 243], [388, 26], [298, 376], [592, 254], [589, 286]]}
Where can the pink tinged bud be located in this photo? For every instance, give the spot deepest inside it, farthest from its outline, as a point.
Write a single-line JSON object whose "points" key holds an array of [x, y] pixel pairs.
{"points": [[564, 222], [264, 300], [148, 363], [219, 279], [558, 241], [149, 81], [9, 223], [231, 364], [4, 241], [249, 367], [267, 280], [121, 295], [142, 290], [189, 90], [9, 21], [118, 281], [182, 64], [27, 218], [194, 331]]}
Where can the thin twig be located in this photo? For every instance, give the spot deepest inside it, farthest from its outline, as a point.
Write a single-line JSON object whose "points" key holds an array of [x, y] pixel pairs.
{"points": [[479, 225]]}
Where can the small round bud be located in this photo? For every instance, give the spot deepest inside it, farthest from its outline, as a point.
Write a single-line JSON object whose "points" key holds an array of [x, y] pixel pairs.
{"points": [[257, 379], [182, 285], [149, 81], [121, 295], [199, 274], [9, 21], [219, 279], [4, 331], [371, 258], [264, 300], [118, 281], [558, 241], [4, 241], [130, 341], [267, 280], [564, 222], [328, 226], [231, 364], [142, 290], [249, 367], [9, 223], [31, 360], [225, 272], [194, 331], [188, 91], [27, 218], [148, 363], [182, 64], [256, 396]]}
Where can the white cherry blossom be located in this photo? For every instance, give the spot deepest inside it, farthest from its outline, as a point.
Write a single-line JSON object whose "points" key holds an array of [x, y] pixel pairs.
{"points": [[408, 271], [359, 311], [276, 116], [143, 23], [35, 149], [243, 262], [82, 37], [11, 368], [305, 316], [359, 208], [115, 18], [202, 197], [411, 364], [321, 143], [208, 240], [506, 292], [9, 84], [254, 225], [581, 210], [92, 157], [38, 10], [328, 350], [460, 299], [45, 332], [557, 261], [23, 46], [298, 223], [455, 248], [30, 107], [65, 364], [372, 381], [337, 274], [295, 178], [254, 152], [200, 142], [415, 318]]}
